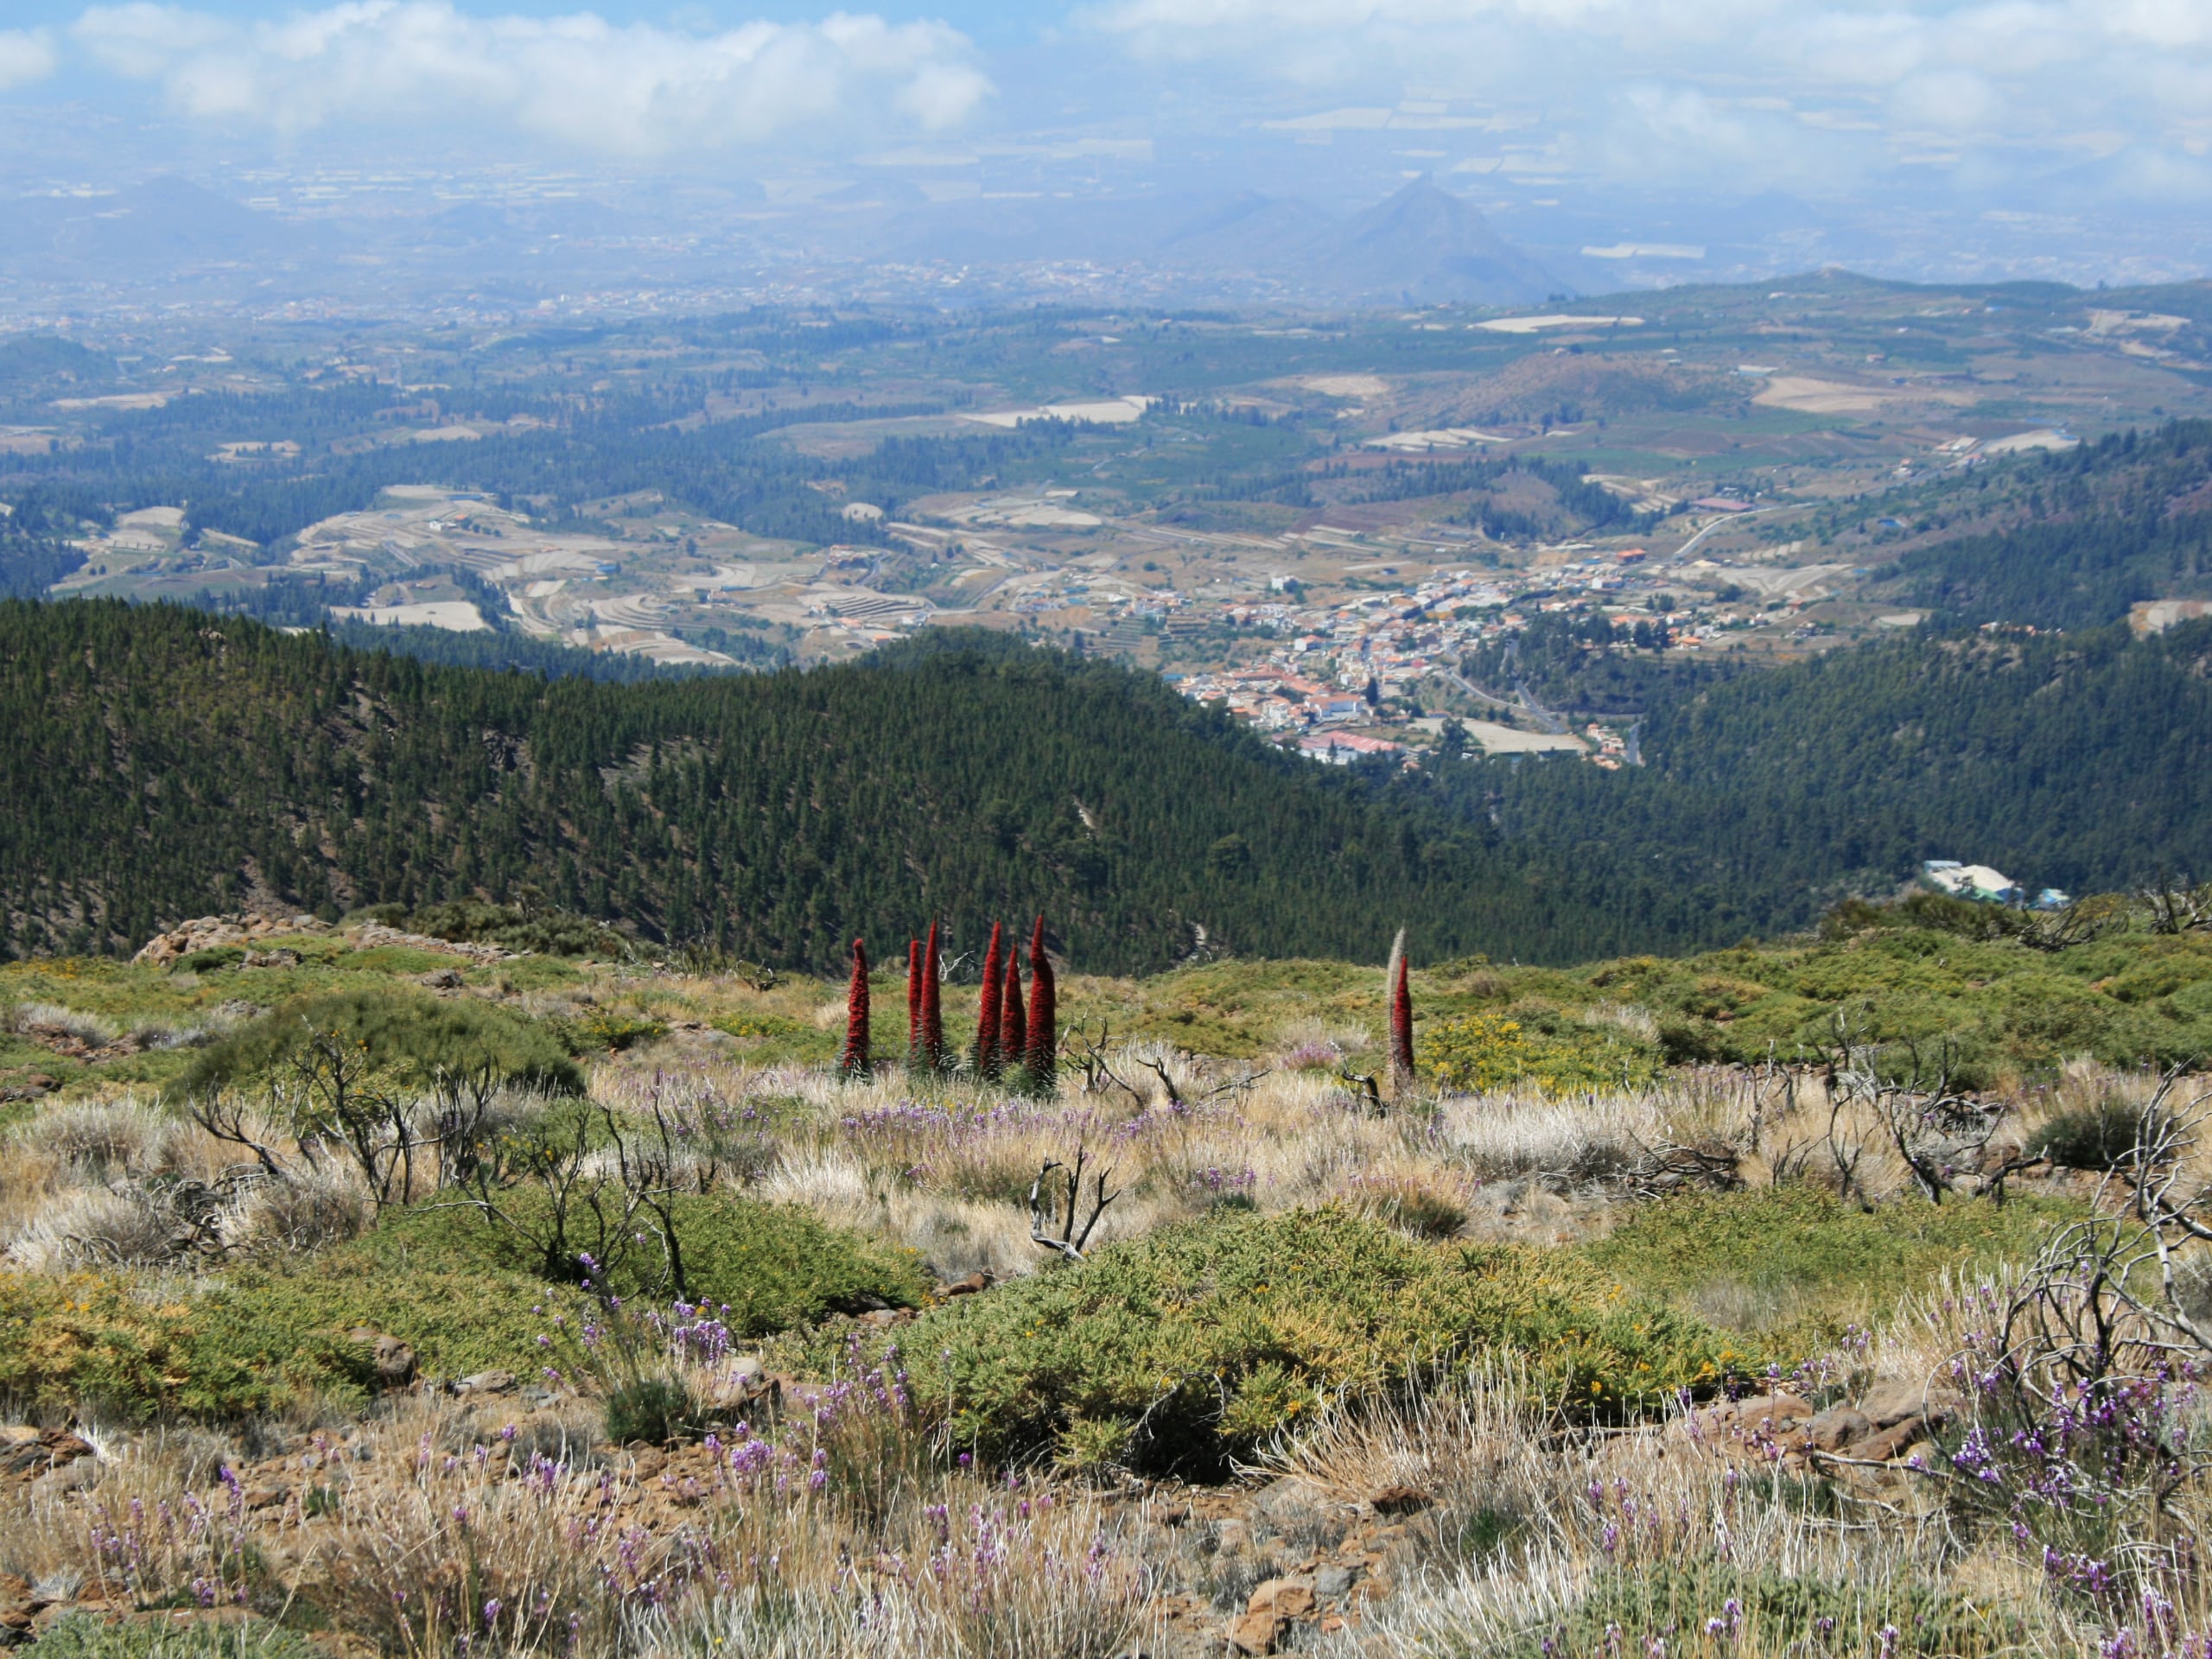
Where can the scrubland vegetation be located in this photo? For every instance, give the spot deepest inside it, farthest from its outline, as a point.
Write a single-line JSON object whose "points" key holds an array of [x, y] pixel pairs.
{"points": [[1839, 1295]]}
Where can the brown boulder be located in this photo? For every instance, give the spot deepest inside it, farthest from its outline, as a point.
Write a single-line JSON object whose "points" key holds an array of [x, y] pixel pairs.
{"points": [[1884, 1445], [1893, 1402], [393, 1360], [1837, 1428], [1254, 1633], [1284, 1598]]}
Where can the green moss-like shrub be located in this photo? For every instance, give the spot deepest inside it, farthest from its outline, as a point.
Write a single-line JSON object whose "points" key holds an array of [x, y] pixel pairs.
{"points": [[608, 1031], [1216, 1334], [1533, 1049], [1805, 1248], [650, 1409], [2093, 1137], [1704, 1610], [85, 1635], [251, 1343], [771, 1267], [401, 1031], [84, 1339]]}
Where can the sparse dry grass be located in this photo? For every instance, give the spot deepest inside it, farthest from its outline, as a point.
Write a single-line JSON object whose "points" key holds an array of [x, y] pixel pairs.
{"points": [[897, 1550]]}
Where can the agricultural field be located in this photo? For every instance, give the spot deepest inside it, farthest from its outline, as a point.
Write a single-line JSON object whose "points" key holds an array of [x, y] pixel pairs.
{"points": [[472, 1279], [1739, 467]]}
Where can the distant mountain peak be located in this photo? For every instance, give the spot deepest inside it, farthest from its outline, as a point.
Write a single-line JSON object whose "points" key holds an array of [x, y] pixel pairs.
{"points": [[1424, 243]]}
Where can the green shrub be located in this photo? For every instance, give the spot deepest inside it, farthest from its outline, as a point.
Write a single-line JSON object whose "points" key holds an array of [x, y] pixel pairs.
{"points": [[1532, 1049], [403, 1032], [651, 1409], [1215, 1334], [253, 1343], [85, 1636], [1703, 1610], [553, 933], [212, 960], [1808, 1250], [764, 1267], [604, 1031], [751, 1023], [84, 1339], [2090, 1137]]}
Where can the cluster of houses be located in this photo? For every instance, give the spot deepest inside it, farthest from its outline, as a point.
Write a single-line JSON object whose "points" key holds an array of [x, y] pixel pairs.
{"points": [[1358, 662]]}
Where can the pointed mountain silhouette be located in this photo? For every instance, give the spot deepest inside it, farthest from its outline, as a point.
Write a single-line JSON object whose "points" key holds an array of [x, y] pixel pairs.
{"points": [[1426, 244]]}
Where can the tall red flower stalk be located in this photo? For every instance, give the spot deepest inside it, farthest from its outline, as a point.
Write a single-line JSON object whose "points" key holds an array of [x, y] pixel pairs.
{"points": [[932, 1013], [913, 1001], [1401, 1021], [1041, 1053], [853, 1064], [1013, 1042], [987, 1012]]}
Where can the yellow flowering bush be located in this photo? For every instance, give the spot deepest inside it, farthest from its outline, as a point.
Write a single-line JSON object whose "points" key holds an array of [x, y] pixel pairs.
{"points": [[1482, 1052]]}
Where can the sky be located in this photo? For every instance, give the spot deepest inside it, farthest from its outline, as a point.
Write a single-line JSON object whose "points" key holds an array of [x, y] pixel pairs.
{"points": [[2097, 109]]}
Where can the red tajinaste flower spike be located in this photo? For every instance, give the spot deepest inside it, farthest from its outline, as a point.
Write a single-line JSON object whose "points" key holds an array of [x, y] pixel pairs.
{"points": [[932, 1013], [913, 1001], [1013, 1025], [987, 1012], [1041, 1051], [853, 1065]]}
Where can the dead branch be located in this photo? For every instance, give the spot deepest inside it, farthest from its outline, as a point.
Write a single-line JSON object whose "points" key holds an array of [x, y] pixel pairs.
{"points": [[1070, 1241], [1174, 1095], [1092, 1057], [1369, 1089]]}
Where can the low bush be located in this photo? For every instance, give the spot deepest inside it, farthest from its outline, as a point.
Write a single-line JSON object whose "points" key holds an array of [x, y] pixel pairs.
{"points": [[404, 1033], [1534, 1049], [253, 1343], [1208, 1338], [2097, 1137], [1833, 1260], [765, 1267], [85, 1341], [606, 1030], [86, 1636], [1703, 1610], [651, 1409]]}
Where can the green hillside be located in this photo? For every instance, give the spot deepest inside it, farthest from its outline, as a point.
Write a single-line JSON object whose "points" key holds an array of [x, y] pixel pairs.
{"points": [[161, 763], [2073, 761]]}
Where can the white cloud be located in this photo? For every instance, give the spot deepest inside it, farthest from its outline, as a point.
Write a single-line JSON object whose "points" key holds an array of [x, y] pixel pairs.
{"points": [[26, 55], [635, 90], [2010, 76]]}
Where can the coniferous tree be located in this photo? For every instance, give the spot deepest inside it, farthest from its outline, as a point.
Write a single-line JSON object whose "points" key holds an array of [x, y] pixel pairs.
{"points": [[987, 1012], [1042, 1048], [853, 1065]]}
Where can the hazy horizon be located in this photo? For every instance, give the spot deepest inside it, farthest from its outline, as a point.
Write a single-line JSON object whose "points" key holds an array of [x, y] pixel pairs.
{"points": [[1097, 150]]}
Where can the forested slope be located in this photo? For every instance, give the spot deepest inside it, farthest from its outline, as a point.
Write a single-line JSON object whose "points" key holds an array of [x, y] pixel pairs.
{"points": [[2075, 761], [160, 763], [2073, 539]]}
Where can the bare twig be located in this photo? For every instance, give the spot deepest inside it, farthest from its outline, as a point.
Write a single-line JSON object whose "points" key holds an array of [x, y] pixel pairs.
{"points": [[1070, 1242]]}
